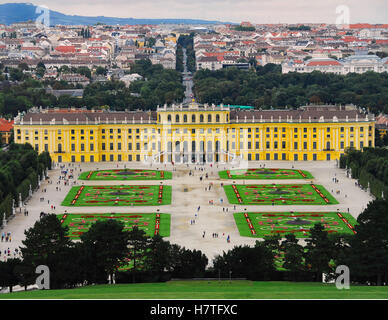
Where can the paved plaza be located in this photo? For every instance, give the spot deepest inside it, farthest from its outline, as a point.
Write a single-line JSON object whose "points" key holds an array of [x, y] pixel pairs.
{"points": [[189, 193]]}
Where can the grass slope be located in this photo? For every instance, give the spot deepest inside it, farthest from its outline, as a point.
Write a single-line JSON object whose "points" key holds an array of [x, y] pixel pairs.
{"points": [[209, 290]]}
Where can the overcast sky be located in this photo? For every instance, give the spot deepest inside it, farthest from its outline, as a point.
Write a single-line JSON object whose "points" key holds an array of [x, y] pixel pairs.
{"points": [[256, 11]]}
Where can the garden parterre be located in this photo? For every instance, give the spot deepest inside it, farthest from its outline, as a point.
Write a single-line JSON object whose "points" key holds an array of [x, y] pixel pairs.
{"points": [[265, 173], [122, 195], [151, 223], [125, 174], [261, 224], [279, 194]]}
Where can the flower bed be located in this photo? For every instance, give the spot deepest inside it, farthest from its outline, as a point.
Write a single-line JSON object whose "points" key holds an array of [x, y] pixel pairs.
{"points": [[126, 174], [118, 195], [286, 194], [265, 173], [298, 223], [150, 223]]}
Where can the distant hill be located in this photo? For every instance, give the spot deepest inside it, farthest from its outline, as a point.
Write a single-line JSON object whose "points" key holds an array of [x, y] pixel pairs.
{"points": [[21, 12]]}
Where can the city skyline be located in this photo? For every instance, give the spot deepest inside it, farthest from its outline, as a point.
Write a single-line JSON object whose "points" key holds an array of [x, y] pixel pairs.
{"points": [[258, 12]]}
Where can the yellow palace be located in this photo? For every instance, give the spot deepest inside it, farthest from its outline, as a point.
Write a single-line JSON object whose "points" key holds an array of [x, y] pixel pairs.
{"points": [[196, 133]]}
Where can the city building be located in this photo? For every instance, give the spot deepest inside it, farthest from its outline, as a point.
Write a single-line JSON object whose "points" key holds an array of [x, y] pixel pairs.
{"points": [[196, 133], [6, 127], [355, 64], [382, 124]]}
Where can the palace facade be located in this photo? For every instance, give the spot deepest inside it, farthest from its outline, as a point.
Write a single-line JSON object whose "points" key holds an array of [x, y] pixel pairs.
{"points": [[196, 133]]}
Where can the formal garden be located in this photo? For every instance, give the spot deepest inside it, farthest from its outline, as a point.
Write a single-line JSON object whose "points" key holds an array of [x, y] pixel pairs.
{"points": [[151, 223], [126, 174], [279, 194], [265, 173], [262, 224], [123, 195]]}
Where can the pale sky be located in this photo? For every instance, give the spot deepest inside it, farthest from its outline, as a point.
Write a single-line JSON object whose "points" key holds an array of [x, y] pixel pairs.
{"points": [[255, 11]]}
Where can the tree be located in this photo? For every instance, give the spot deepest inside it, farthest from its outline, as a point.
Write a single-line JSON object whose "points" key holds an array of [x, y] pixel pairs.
{"points": [[8, 277], [293, 254], [158, 258], [319, 251], [368, 257], [188, 263], [138, 246], [107, 244], [23, 66], [255, 263], [25, 274], [101, 71], [46, 243], [41, 65]]}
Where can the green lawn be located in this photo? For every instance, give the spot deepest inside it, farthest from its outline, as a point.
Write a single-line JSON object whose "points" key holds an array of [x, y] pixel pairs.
{"points": [[124, 195], [265, 173], [278, 194], [78, 223], [209, 290], [126, 174], [260, 224]]}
